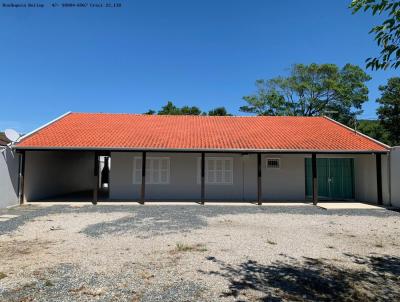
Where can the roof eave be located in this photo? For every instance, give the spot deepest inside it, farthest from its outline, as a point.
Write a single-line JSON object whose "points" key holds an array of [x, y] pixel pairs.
{"points": [[129, 149]]}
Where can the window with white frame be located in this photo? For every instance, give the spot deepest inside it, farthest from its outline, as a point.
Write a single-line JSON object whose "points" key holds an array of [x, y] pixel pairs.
{"points": [[157, 170], [218, 170], [273, 163]]}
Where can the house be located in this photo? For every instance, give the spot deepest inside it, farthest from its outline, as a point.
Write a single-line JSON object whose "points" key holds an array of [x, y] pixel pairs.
{"points": [[202, 158]]}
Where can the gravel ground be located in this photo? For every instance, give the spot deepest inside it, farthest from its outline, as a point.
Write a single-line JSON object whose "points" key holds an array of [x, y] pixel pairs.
{"points": [[198, 253]]}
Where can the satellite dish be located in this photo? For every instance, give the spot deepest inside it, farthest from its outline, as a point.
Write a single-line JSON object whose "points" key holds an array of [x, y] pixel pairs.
{"points": [[12, 135]]}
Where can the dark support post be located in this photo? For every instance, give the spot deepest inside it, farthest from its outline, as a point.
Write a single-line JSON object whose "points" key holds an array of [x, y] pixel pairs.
{"points": [[259, 188], [379, 177], [203, 187], [143, 191], [96, 178], [314, 178], [21, 177]]}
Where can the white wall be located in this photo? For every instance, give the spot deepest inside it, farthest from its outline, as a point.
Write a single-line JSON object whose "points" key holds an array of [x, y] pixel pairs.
{"points": [[395, 175], [52, 173], [9, 164], [286, 183], [183, 178]]}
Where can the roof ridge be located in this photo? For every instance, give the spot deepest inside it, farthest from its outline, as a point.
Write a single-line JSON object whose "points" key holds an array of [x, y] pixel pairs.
{"points": [[199, 116]]}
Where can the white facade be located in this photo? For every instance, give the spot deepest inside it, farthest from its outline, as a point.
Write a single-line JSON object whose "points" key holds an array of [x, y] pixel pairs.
{"points": [[287, 183]]}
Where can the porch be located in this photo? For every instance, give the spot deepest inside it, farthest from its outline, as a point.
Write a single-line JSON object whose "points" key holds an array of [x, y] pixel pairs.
{"points": [[267, 177]]}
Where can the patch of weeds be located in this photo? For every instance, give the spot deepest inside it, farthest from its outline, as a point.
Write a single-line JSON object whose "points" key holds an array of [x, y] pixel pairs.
{"points": [[271, 242], [87, 291], [181, 247], [2, 275], [146, 275], [379, 245], [48, 283]]}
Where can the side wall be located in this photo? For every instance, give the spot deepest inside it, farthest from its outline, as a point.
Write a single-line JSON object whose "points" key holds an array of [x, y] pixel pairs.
{"points": [[9, 164], [52, 173], [395, 175]]}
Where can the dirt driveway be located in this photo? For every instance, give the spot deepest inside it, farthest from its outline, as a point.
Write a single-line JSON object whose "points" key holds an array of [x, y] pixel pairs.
{"points": [[198, 253]]}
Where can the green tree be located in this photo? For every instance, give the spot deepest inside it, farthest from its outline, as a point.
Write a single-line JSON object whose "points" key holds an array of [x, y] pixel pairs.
{"points": [[387, 34], [312, 90], [186, 110], [219, 111], [150, 112], [171, 109], [389, 109], [374, 129]]}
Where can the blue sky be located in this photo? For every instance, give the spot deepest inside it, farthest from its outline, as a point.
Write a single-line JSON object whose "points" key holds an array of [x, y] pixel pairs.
{"points": [[202, 53]]}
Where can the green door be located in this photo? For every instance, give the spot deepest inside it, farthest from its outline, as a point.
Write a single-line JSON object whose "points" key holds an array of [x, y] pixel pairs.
{"points": [[335, 178]]}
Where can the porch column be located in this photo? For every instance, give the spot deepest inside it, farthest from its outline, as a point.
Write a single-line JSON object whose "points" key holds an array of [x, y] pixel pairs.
{"points": [[21, 176], [96, 178], [203, 187], [314, 178], [143, 190], [378, 158], [259, 184]]}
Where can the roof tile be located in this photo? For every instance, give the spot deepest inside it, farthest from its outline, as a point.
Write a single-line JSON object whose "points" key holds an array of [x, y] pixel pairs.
{"points": [[133, 131]]}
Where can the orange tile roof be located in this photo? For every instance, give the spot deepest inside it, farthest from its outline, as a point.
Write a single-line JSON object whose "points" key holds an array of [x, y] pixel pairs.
{"points": [[247, 133]]}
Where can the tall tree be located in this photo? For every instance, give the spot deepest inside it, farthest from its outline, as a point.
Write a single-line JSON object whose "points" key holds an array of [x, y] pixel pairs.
{"points": [[374, 129], [387, 34], [312, 90], [171, 109], [389, 109], [219, 111]]}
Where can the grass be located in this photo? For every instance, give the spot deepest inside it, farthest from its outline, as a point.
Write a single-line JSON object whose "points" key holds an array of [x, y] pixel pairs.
{"points": [[48, 283], [181, 247], [2, 275]]}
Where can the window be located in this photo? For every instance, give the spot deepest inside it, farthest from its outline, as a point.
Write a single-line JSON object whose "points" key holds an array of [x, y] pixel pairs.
{"points": [[273, 163], [157, 170], [218, 170]]}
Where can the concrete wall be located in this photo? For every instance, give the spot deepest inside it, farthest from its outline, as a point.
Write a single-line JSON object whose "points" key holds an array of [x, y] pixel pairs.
{"points": [[183, 178], [395, 176], [9, 164], [286, 183], [365, 178], [184, 184], [49, 173]]}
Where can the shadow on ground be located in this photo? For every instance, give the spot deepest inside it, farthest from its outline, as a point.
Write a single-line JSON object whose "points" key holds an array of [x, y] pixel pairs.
{"points": [[310, 279], [164, 219]]}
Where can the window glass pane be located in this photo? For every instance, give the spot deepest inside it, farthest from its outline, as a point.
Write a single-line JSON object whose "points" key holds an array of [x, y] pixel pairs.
{"points": [[210, 164], [228, 164], [218, 176], [155, 164], [218, 165], [164, 163], [228, 177], [164, 176]]}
